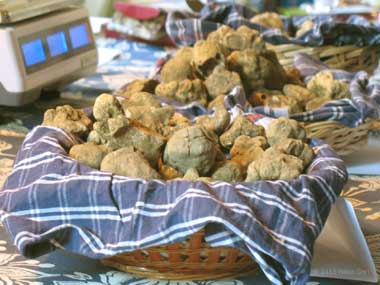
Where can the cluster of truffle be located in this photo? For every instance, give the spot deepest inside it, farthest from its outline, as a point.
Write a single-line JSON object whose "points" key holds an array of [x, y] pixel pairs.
{"points": [[231, 58], [139, 138]]}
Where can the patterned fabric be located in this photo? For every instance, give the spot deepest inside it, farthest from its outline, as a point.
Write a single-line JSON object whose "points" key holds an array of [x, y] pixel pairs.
{"points": [[50, 201], [186, 29]]}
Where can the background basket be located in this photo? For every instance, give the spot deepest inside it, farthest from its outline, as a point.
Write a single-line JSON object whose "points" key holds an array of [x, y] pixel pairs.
{"points": [[342, 139], [189, 260], [348, 57]]}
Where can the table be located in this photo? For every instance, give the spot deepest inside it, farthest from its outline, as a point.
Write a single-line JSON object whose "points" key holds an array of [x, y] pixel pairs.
{"points": [[63, 268]]}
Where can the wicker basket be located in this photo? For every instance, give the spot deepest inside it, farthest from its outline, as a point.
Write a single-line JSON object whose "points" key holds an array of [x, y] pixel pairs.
{"points": [[342, 139], [349, 58], [190, 260]]}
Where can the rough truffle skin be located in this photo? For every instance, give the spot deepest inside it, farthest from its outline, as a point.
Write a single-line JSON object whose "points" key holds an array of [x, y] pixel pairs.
{"points": [[67, 118], [283, 128], [126, 162], [89, 153], [191, 147]]}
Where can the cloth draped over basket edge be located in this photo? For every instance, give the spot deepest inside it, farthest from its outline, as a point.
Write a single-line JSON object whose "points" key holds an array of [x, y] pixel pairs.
{"points": [[187, 28], [52, 201]]}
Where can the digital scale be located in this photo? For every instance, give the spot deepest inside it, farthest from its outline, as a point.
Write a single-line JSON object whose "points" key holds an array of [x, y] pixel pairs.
{"points": [[43, 44]]}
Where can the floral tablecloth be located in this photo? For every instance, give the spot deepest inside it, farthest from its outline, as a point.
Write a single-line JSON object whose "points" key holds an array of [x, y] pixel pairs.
{"points": [[62, 268]]}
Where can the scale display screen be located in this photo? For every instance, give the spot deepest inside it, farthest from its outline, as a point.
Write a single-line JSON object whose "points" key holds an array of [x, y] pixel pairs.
{"points": [[57, 44], [79, 36], [33, 52], [51, 46]]}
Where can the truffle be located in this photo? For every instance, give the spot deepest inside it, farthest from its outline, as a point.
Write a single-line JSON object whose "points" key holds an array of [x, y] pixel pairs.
{"points": [[106, 106], [247, 149], [323, 84], [67, 118], [221, 81], [283, 128], [274, 165], [128, 163], [191, 147], [206, 56], [179, 67], [228, 171], [89, 153], [241, 126], [269, 20], [139, 85]]}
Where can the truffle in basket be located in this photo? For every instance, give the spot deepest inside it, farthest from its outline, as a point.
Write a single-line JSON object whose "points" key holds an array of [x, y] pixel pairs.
{"points": [[179, 67], [185, 91], [206, 56], [324, 85], [269, 20], [139, 85], [283, 128], [221, 81], [66, 117]]}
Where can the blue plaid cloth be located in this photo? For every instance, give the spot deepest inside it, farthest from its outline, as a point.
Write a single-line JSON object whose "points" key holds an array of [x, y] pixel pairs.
{"points": [[186, 29], [51, 201]]}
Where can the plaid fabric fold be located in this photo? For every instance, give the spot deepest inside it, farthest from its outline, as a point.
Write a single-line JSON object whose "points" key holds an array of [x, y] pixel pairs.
{"points": [[186, 29], [52, 201]]}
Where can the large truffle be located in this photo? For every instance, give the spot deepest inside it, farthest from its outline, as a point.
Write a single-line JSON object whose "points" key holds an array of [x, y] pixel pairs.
{"points": [[241, 126], [192, 147], [128, 163], [283, 128], [274, 165], [89, 153], [67, 118], [186, 91], [221, 81], [106, 106], [247, 149]]}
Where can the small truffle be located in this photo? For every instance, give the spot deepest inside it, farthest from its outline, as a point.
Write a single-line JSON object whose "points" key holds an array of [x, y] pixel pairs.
{"points": [[241, 126], [323, 84], [128, 163], [297, 148], [179, 67], [216, 122], [269, 20], [89, 153], [221, 82], [283, 128], [186, 91], [228, 171], [206, 56], [106, 106], [140, 85], [316, 103], [141, 99], [247, 149], [67, 118]]}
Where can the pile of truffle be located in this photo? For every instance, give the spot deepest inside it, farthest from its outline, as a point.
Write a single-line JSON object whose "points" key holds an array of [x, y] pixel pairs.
{"points": [[231, 58], [139, 138]]}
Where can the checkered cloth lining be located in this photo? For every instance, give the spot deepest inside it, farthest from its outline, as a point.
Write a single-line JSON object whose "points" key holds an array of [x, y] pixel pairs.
{"points": [[52, 201], [186, 29]]}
